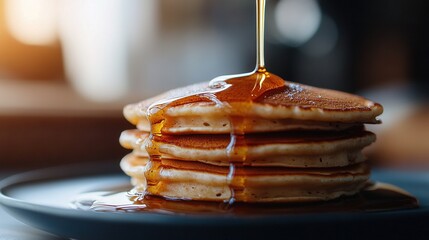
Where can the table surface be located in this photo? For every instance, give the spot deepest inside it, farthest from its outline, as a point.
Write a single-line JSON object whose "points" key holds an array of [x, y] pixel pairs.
{"points": [[11, 228]]}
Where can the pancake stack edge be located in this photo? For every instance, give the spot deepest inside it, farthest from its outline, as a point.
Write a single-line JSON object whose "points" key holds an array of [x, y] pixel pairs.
{"points": [[289, 151]]}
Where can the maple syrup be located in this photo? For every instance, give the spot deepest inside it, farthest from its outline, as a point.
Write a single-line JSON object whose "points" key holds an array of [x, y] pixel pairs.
{"points": [[246, 89], [223, 92]]}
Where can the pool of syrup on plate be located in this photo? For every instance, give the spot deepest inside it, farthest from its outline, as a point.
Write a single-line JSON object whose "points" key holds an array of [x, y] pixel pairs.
{"points": [[375, 197]]}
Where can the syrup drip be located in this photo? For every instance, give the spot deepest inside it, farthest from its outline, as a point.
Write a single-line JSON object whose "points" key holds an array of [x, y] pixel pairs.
{"points": [[223, 91]]}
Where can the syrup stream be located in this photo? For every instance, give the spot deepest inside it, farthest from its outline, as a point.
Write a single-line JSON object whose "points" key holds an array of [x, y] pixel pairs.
{"points": [[226, 85], [260, 32]]}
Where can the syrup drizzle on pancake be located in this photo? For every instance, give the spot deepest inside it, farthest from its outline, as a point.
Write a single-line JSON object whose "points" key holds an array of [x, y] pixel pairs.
{"points": [[222, 91]]}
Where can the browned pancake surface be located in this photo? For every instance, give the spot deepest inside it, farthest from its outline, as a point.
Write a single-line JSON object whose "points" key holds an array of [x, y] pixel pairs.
{"points": [[303, 96], [255, 171], [222, 141], [290, 94]]}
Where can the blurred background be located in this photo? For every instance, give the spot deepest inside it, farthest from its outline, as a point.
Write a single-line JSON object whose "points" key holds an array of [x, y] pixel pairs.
{"points": [[67, 67]]}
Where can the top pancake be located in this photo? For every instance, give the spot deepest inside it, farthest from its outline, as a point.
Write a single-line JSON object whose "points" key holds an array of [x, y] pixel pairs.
{"points": [[209, 110]]}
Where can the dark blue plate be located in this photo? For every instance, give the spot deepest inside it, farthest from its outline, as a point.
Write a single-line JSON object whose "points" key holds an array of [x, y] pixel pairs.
{"points": [[42, 199]]}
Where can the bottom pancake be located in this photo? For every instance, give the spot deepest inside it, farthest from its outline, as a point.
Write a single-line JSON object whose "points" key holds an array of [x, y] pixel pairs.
{"points": [[197, 181]]}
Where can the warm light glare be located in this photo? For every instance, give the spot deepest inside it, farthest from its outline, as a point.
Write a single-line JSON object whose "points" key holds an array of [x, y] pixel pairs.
{"points": [[325, 39], [96, 36], [32, 21], [297, 20]]}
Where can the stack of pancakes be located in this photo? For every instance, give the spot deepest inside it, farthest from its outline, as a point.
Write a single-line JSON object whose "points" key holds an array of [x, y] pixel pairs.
{"points": [[294, 144]]}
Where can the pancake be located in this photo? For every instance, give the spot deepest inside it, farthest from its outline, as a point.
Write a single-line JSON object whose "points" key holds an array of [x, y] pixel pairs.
{"points": [[134, 140], [252, 137], [198, 181], [290, 149], [291, 106], [134, 166], [249, 138], [222, 124]]}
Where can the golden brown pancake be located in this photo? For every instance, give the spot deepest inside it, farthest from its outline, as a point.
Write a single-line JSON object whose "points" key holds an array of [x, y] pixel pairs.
{"points": [[197, 181], [134, 140], [216, 125], [290, 149], [276, 109], [134, 166], [252, 138]]}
